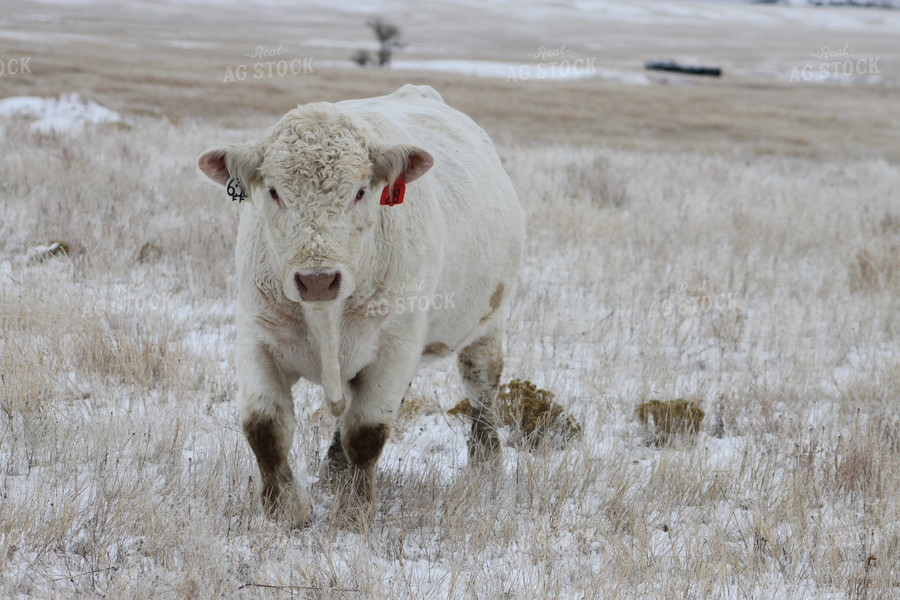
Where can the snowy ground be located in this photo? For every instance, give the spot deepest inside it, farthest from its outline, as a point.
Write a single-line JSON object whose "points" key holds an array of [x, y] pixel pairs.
{"points": [[57, 114], [669, 259]]}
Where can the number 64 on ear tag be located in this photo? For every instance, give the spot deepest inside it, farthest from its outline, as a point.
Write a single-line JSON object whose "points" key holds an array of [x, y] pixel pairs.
{"points": [[235, 191], [393, 195]]}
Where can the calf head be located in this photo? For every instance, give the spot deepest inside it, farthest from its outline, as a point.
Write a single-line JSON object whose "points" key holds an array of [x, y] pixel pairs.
{"points": [[316, 179]]}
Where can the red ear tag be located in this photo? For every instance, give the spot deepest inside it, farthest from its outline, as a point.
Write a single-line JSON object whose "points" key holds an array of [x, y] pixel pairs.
{"points": [[392, 195]]}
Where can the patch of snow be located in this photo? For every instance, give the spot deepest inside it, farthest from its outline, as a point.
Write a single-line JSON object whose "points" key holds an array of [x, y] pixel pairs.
{"points": [[431, 442], [508, 71], [67, 113], [6, 272]]}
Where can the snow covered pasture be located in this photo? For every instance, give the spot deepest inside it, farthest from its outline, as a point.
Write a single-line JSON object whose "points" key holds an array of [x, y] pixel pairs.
{"points": [[765, 288], [731, 242]]}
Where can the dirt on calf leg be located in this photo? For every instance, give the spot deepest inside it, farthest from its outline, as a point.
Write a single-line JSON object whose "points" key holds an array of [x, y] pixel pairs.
{"points": [[281, 497]]}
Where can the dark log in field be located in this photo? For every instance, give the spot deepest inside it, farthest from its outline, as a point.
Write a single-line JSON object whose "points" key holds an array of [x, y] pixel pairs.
{"points": [[671, 65]]}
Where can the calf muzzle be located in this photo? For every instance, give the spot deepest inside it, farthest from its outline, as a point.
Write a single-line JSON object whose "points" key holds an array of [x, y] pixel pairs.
{"points": [[318, 286]]}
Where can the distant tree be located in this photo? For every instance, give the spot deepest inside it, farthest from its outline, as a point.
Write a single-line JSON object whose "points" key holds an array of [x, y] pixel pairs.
{"points": [[388, 36]]}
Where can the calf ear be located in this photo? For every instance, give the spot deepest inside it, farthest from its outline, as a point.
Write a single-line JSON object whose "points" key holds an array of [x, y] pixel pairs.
{"points": [[238, 160], [402, 159]]}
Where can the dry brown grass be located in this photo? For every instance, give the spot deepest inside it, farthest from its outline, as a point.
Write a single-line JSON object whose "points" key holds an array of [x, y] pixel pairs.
{"points": [[671, 419]]}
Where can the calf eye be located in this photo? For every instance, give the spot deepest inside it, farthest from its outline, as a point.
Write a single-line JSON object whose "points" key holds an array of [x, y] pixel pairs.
{"points": [[360, 194]]}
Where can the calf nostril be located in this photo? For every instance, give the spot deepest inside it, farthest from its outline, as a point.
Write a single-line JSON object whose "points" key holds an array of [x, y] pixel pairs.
{"points": [[301, 287], [335, 283]]}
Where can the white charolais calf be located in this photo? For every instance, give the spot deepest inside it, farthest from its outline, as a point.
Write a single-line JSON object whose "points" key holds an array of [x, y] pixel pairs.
{"points": [[376, 232]]}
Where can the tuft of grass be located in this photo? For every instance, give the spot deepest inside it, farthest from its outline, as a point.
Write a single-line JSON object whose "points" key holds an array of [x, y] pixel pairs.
{"points": [[531, 410], [874, 267], [671, 419]]}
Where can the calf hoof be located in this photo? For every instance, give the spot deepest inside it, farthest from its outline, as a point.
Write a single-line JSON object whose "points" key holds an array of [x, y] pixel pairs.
{"points": [[288, 506]]}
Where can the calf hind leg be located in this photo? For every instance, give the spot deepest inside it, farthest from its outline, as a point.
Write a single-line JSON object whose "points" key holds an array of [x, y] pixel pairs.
{"points": [[480, 364], [336, 461]]}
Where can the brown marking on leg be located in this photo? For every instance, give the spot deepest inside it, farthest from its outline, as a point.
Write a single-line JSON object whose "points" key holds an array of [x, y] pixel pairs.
{"points": [[354, 483], [267, 444], [437, 349], [496, 297], [354, 488], [363, 446]]}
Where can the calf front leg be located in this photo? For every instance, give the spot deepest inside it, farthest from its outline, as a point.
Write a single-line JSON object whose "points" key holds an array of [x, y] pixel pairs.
{"points": [[267, 419], [364, 429]]}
